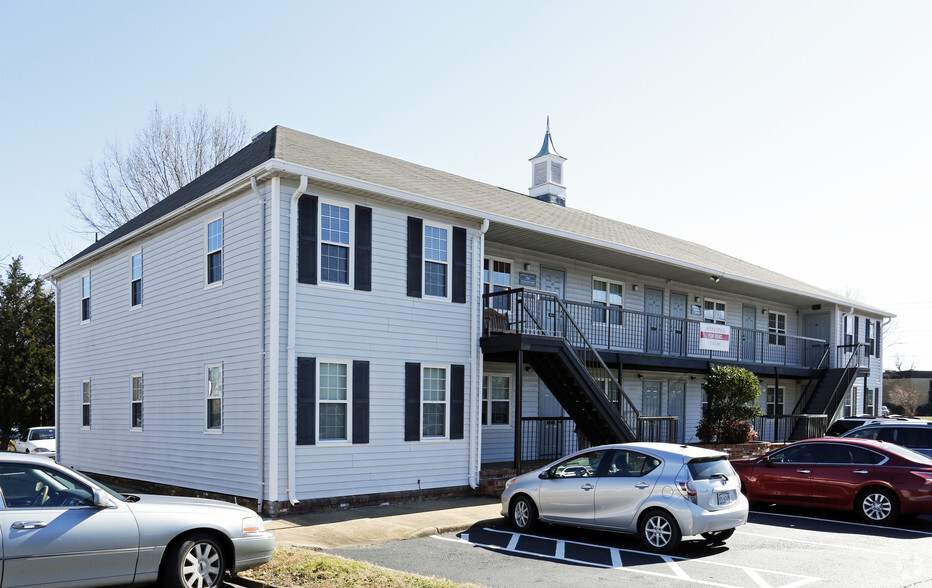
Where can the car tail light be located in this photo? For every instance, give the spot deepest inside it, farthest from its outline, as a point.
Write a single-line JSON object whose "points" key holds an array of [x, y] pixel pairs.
{"points": [[927, 476], [684, 484]]}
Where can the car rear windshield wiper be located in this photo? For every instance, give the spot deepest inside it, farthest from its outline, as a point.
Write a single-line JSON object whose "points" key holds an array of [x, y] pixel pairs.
{"points": [[722, 476]]}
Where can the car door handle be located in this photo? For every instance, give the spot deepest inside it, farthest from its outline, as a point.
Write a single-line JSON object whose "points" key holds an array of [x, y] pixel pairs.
{"points": [[587, 487], [642, 485], [29, 524], [861, 472], [803, 471]]}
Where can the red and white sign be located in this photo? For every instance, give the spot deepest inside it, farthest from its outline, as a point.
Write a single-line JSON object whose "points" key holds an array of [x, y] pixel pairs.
{"points": [[714, 337]]}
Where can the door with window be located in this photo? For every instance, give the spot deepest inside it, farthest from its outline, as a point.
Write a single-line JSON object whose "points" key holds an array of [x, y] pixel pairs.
{"points": [[748, 334], [676, 406], [553, 280], [653, 306], [678, 323]]}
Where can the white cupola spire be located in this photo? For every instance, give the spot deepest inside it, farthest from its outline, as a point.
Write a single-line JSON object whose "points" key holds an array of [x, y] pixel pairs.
{"points": [[547, 173]]}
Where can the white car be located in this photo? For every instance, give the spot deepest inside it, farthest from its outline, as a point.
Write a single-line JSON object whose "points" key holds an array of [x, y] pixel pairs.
{"points": [[60, 528], [658, 491], [38, 440]]}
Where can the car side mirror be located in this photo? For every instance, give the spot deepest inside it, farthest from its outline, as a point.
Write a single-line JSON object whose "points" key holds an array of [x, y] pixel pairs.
{"points": [[544, 475], [102, 499], [766, 460]]}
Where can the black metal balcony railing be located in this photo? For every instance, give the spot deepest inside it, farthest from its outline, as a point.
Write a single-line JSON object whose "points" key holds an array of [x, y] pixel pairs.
{"points": [[778, 428], [533, 312]]}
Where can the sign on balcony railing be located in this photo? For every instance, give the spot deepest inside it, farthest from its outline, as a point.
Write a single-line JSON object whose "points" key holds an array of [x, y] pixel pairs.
{"points": [[713, 337]]}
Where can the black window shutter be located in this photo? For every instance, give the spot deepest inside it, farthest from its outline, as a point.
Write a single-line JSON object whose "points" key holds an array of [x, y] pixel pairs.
{"points": [[363, 277], [412, 402], [306, 400], [877, 342], [457, 400], [360, 402], [307, 239], [459, 264], [857, 321], [415, 255]]}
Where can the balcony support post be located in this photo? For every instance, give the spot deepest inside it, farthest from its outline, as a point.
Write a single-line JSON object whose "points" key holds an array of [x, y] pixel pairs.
{"points": [[519, 423]]}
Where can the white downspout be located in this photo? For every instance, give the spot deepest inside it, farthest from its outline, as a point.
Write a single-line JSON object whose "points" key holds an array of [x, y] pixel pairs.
{"points": [[275, 327], [475, 330], [260, 491], [292, 303], [57, 369]]}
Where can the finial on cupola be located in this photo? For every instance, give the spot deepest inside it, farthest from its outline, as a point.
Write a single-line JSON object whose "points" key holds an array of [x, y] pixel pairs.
{"points": [[547, 173]]}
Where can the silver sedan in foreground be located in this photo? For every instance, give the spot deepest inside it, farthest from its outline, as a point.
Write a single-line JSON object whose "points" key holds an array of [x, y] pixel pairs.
{"points": [[60, 528], [658, 491]]}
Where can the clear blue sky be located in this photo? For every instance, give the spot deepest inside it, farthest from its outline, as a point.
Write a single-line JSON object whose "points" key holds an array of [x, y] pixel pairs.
{"points": [[795, 135]]}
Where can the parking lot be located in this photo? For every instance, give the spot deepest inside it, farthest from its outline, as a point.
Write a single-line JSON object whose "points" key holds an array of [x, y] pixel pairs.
{"points": [[779, 547]]}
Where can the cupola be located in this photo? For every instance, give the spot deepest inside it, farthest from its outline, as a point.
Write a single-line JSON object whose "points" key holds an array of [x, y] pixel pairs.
{"points": [[547, 173]]}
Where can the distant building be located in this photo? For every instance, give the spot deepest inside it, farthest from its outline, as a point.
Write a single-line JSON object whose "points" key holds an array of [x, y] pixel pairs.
{"points": [[309, 324], [921, 380]]}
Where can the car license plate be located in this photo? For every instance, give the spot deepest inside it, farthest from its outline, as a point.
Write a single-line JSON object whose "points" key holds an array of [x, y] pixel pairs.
{"points": [[724, 498]]}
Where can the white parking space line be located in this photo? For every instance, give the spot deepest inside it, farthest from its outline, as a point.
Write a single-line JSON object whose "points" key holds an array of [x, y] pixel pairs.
{"points": [[849, 523], [673, 563], [832, 544]]}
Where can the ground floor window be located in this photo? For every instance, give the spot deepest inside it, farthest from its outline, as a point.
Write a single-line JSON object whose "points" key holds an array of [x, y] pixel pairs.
{"points": [[333, 401], [136, 401], [435, 393], [775, 400], [215, 397], [86, 403], [496, 399]]}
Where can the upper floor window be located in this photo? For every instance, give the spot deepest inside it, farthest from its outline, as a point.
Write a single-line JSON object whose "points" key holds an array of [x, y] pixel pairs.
{"points": [[496, 399], [135, 401], [436, 261], [86, 403], [334, 243], [135, 287], [714, 312], [215, 251], [496, 277], [333, 401], [776, 325], [608, 298], [434, 399], [86, 297], [214, 413]]}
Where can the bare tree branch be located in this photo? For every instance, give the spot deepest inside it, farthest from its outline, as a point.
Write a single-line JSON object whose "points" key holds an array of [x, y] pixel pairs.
{"points": [[168, 152]]}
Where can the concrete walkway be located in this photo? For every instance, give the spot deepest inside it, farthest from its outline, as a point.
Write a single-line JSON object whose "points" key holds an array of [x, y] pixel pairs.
{"points": [[379, 524]]}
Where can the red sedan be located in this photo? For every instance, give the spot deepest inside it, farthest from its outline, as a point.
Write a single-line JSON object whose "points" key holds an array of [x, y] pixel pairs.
{"points": [[877, 480]]}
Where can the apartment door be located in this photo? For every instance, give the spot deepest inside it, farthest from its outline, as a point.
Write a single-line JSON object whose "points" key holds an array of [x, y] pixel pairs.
{"points": [[653, 306], [676, 406], [550, 432], [650, 403], [748, 336], [678, 323], [552, 280], [816, 326]]}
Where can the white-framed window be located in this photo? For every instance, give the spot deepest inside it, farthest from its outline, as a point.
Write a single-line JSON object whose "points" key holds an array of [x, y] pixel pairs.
{"points": [[496, 277], [870, 400], [85, 298], [214, 397], [608, 298], [776, 326], [336, 234], [135, 280], [775, 400], [86, 404], [496, 399], [714, 311], [215, 251], [435, 402], [333, 401], [437, 257], [135, 386]]}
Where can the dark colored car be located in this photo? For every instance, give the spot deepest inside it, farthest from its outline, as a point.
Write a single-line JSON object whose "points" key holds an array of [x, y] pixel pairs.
{"points": [[915, 436], [877, 480]]}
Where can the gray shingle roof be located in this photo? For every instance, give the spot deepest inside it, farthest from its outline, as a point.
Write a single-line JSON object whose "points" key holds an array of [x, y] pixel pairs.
{"points": [[352, 162]]}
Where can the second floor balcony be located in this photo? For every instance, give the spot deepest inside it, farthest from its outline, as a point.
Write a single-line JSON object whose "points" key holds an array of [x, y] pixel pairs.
{"points": [[536, 313]]}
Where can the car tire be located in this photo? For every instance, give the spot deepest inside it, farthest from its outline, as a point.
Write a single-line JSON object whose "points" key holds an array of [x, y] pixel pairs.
{"points": [[659, 531], [523, 514], [877, 506], [196, 561], [718, 536]]}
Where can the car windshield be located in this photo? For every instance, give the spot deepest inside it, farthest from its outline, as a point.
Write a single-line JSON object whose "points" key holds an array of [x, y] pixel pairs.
{"points": [[705, 468], [908, 454], [842, 426], [42, 434]]}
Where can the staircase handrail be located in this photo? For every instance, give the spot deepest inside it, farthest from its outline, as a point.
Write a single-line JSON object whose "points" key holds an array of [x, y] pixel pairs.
{"points": [[629, 408], [810, 389], [856, 360]]}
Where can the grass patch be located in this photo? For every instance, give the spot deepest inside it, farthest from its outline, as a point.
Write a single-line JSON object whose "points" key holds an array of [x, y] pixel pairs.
{"points": [[292, 567]]}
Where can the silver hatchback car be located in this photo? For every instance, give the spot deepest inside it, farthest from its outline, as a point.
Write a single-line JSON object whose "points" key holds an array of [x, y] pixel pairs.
{"points": [[658, 491]]}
